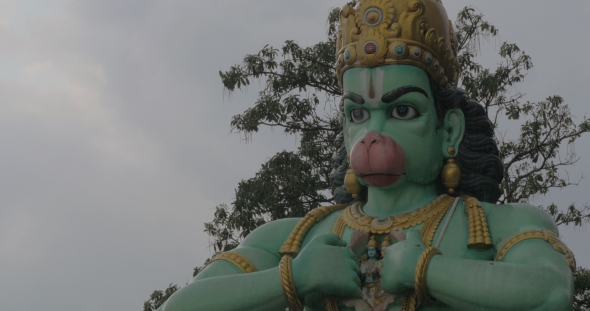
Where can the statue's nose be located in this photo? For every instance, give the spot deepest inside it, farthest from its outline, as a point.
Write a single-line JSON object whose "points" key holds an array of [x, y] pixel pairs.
{"points": [[370, 139]]}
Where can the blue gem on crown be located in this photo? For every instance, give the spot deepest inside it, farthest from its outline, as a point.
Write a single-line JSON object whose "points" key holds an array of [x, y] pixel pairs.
{"points": [[400, 50]]}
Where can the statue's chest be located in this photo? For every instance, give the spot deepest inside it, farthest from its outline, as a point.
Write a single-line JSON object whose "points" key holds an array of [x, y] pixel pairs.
{"points": [[452, 232]]}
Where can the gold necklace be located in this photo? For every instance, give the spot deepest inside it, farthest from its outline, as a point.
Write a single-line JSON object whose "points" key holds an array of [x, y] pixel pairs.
{"points": [[356, 219]]}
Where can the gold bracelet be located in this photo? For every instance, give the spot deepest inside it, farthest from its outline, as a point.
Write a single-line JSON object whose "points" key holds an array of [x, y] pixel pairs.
{"points": [[295, 304], [420, 276]]}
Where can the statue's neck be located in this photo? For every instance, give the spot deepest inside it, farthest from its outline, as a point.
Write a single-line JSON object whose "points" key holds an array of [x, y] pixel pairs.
{"points": [[382, 203]]}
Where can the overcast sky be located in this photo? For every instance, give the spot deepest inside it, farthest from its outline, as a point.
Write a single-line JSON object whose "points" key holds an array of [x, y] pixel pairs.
{"points": [[116, 143]]}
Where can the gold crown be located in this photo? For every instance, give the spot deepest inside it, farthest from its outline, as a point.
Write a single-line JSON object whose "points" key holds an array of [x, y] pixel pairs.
{"points": [[372, 242], [386, 243], [409, 32]]}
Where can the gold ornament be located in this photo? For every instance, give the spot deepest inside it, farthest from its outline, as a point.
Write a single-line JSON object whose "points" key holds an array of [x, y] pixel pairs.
{"points": [[339, 226], [539, 234], [451, 174], [351, 182], [372, 242], [408, 32], [354, 217], [429, 228], [292, 245], [237, 259], [479, 233], [410, 302], [330, 305], [295, 303], [420, 276], [385, 244]]}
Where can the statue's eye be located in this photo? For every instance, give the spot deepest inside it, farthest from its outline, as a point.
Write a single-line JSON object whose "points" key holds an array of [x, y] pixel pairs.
{"points": [[359, 115], [404, 112]]}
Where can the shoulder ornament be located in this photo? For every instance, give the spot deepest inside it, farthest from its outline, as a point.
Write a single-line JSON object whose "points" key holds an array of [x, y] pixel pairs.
{"points": [[546, 235], [479, 233], [238, 260], [293, 244]]}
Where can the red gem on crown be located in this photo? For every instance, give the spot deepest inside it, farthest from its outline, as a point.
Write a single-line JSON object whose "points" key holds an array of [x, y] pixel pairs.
{"points": [[370, 48]]}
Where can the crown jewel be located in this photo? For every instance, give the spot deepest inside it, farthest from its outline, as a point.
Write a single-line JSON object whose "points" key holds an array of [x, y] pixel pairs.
{"points": [[410, 32]]}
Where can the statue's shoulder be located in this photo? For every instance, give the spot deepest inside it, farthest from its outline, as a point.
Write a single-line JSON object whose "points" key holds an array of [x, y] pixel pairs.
{"points": [[287, 235], [513, 218], [271, 236]]}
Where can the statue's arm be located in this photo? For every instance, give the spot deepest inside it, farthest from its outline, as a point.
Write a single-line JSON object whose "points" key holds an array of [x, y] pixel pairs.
{"points": [[533, 275], [222, 285]]}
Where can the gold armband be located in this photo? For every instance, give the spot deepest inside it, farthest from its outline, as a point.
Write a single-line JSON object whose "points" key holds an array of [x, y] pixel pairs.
{"points": [[539, 234], [238, 260], [295, 304], [420, 276]]}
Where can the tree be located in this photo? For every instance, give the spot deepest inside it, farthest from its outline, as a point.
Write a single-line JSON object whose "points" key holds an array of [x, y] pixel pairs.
{"points": [[158, 297], [300, 96], [582, 290]]}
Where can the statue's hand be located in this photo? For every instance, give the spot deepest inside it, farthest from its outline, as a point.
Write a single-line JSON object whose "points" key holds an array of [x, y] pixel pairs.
{"points": [[328, 268], [399, 264]]}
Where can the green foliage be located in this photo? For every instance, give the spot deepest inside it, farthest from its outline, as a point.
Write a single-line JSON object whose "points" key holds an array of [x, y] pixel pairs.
{"points": [[532, 161], [158, 297], [289, 184], [582, 290]]}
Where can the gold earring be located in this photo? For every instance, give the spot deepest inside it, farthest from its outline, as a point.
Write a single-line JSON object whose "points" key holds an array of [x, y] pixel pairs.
{"points": [[351, 182], [451, 174]]}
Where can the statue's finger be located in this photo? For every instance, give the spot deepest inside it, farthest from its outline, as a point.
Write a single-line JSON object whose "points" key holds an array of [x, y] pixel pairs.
{"points": [[358, 240], [329, 239], [355, 267]]}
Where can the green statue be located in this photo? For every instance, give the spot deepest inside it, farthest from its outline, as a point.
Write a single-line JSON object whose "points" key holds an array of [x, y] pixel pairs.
{"points": [[416, 172]]}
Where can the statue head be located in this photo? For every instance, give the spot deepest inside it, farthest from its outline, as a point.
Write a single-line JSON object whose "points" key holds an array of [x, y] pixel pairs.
{"points": [[372, 251], [401, 109]]}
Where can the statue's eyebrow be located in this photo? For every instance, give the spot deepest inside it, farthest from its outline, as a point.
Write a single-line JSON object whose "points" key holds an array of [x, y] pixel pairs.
{"points": [[399, 92], [355, 98]]}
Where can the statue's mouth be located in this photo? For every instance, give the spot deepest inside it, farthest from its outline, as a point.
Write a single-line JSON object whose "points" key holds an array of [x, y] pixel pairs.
{"points": [[378, 160], [381, 180]]}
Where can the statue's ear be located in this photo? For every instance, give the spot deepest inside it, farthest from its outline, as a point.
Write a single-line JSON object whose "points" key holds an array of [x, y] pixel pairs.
{"points": [[453, 130]]}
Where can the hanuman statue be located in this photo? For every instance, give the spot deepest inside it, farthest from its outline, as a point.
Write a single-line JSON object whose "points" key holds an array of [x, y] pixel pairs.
{"points": [[417, 171]]}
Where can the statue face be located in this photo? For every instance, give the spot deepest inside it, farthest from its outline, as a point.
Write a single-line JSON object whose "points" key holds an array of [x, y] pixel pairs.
{"points": [[371, 252], [390, 128]]}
